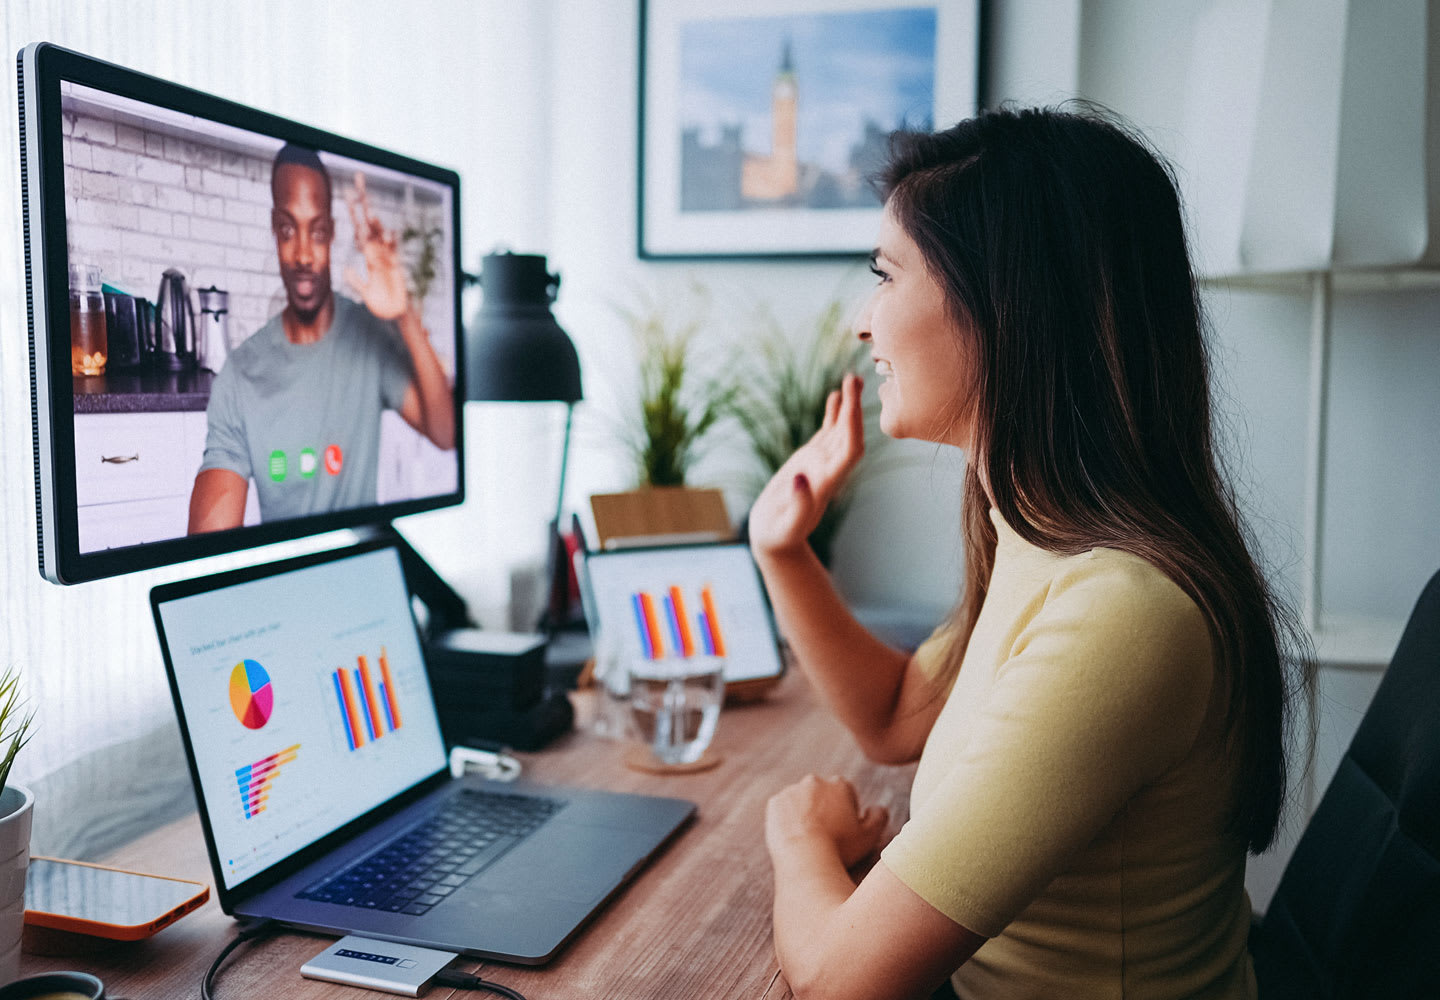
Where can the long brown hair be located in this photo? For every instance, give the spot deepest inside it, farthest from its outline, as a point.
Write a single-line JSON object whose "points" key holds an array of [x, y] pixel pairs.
{"points": [[1058, 239]]}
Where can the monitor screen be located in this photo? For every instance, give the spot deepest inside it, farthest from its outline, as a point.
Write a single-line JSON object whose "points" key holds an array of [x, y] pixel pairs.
{"points": [[243, 329]]}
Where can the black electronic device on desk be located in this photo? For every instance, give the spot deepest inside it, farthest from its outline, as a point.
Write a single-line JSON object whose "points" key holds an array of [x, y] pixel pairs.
{"points": [[490, 688]]}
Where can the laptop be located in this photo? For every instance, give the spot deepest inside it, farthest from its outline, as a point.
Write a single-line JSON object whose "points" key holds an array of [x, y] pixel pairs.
{"points": [[323, 784], [683, 600]]}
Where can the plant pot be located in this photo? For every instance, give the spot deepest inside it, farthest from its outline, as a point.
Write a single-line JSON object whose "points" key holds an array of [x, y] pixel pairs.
{"points": [[16, 811]]}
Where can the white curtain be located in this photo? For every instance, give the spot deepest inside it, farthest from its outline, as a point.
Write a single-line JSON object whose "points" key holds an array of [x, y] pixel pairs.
{"points": [[456, 83]]}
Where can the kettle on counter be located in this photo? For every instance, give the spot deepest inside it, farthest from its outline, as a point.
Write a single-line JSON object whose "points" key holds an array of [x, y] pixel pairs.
{"points": [[173, 347], [213, 336]]}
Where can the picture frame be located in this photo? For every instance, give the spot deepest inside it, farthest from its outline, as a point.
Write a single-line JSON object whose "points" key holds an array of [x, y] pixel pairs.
{"points": [[760, 123]]}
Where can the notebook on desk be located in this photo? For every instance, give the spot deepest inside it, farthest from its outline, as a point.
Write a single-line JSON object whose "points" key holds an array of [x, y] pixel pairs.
{"points": [[322, 781]]}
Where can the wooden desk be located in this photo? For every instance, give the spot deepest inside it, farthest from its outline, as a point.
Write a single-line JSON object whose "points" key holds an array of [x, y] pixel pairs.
{"points": [[695, 922]]}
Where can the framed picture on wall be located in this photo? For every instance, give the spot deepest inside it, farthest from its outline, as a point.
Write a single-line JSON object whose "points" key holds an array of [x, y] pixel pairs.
{"points": [[761, 121]]}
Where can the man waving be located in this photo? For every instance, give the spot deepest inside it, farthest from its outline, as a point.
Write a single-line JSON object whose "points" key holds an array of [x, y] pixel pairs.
{"points": [[297, 406]]}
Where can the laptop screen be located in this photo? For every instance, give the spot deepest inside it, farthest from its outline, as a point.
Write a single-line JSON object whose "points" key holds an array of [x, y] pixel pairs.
{"points": [[684, 600], [306, 702]]}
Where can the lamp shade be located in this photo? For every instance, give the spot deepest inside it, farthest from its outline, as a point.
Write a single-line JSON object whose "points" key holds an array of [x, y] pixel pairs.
{"points": [[514, 350]]}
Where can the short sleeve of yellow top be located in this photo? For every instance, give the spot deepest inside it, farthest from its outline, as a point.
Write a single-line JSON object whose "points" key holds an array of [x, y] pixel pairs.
{"points": [[1071, 799]]}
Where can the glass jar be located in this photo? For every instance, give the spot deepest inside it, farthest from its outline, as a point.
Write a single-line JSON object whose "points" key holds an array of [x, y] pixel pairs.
{"points": [[89, 346]]}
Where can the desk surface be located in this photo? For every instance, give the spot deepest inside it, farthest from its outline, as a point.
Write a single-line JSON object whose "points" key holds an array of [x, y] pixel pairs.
{"points": [[695, 922]]}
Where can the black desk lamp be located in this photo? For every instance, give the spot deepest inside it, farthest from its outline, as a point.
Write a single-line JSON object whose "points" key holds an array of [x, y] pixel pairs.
{"points": [[516, 352]]}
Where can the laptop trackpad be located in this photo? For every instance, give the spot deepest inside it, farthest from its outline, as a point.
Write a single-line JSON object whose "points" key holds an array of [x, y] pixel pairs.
{"points": [[569, 862]]}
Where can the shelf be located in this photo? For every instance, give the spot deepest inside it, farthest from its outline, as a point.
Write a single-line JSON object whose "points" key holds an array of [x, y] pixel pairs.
{"points": [[1397, 279], [1357, 644]]}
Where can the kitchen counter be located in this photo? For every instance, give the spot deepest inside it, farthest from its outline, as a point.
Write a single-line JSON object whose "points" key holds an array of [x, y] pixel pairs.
{"points": [[142, 392]]}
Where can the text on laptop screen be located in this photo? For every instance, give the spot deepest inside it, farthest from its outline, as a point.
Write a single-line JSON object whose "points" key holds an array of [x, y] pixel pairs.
{"points": [[306, 701]]}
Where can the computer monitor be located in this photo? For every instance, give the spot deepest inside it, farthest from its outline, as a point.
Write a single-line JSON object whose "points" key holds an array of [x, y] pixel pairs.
{"points": [[243, 329]]}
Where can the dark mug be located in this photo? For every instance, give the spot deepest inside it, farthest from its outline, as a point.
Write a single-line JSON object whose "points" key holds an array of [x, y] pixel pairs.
{"points": [[55, 986], [122, 325]]}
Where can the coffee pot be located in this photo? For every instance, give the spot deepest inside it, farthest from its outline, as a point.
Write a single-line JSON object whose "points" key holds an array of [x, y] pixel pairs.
{"points": [[174, 334], [213, 338]]}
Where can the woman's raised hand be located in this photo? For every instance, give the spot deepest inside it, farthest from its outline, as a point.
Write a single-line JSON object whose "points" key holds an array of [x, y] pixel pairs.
{"points": [[790, 505]]}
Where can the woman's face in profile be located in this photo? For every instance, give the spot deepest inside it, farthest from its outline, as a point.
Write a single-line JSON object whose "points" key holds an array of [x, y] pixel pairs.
{"points": [[915, 345]]}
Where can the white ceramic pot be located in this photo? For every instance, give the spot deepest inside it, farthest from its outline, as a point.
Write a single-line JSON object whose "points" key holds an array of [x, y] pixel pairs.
{"points": [[16, 810]]}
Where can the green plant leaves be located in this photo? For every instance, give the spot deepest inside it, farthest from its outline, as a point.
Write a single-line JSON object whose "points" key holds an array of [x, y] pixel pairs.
{"points": [[677, 408], [774, 391], [15, 722]]}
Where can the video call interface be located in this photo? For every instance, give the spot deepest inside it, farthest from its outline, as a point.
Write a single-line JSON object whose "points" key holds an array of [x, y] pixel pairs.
{"points": [[243, 317]]}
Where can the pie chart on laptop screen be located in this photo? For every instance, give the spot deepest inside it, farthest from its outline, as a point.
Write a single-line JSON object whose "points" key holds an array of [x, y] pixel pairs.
{"points": [[251, 695]]}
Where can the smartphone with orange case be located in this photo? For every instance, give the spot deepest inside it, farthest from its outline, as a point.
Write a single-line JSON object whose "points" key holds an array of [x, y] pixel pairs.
{"points": [[84, 898]]}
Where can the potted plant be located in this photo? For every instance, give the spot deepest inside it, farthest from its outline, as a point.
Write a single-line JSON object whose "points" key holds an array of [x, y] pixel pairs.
{"points": [[678, 408], [16, 804], [421, 240], [779, 399]]}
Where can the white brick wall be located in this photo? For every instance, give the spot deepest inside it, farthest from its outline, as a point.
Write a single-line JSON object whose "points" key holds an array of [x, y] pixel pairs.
{"points": [[139, 202]]}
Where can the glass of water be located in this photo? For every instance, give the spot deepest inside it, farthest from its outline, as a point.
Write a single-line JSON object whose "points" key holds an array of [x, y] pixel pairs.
{"points": [[675, 704]]}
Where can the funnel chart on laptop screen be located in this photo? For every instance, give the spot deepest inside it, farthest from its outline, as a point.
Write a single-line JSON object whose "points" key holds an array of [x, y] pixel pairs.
{"points": [[694, 601], [306, 702]]}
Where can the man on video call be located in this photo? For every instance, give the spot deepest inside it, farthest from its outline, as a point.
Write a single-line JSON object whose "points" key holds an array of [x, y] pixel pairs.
{"points": [[297, 406]]}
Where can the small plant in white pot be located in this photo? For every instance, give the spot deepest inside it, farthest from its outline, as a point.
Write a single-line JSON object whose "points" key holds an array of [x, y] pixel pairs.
{"points": [[16, 809]]}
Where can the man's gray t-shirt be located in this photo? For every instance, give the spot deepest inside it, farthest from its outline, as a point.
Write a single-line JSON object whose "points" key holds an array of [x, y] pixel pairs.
{"points": [[303, 420]]}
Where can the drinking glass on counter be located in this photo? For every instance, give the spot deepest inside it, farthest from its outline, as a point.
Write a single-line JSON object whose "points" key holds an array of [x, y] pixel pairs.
{"points": [[89, 346], [675, 705]]}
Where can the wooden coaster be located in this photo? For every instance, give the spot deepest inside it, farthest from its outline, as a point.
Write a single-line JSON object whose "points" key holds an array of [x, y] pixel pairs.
{"points": [[639, 758]]}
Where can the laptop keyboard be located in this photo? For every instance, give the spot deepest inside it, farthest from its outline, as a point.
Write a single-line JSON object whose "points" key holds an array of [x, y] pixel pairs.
{"points": [[431, 860]]}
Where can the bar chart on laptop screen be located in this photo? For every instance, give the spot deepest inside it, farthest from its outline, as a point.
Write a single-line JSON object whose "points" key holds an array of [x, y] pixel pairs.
{"points": [[367, 705], [664, 616], [253, 781], [697, 601]]}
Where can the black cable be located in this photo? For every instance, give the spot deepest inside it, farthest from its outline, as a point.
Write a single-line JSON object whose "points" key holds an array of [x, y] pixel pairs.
{"points": [[247, 932], [465, 981]]}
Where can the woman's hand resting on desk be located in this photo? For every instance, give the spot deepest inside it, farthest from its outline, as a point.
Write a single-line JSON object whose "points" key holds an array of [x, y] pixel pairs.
{"points": [[820, 810], [790, 505]]}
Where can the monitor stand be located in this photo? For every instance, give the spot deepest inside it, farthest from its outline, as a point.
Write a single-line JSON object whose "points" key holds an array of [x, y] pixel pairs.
{"points": [[446, 607]]}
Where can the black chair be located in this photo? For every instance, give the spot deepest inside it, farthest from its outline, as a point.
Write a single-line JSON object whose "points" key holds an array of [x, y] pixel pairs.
{"points": [[1357, 913]]}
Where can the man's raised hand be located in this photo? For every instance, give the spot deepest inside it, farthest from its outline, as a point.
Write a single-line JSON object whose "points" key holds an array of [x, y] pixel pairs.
{"points": [[382, 288]]}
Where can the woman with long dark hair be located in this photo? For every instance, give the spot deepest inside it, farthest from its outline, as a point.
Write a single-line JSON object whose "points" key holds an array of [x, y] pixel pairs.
{"points": [[1100, 724]]}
